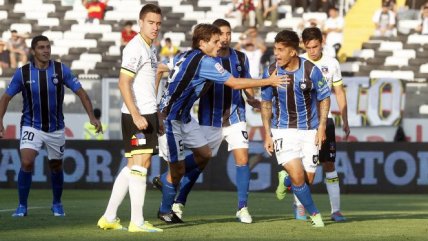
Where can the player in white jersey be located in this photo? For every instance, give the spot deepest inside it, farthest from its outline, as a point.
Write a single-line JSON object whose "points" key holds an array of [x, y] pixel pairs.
{"points": [[138, 85], [330, 68]]}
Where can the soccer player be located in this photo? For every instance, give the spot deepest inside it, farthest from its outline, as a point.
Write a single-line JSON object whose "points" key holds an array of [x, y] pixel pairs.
{"points": [[295, 128], [187, 81], [137, 84], [221, 115], [312, 39], [42, 84]]}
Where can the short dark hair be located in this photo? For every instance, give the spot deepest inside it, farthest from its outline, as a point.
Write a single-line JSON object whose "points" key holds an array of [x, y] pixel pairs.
{"points": [[312, 33], [149, 8], [37, 39], [168, 40], [288, 38], [13, 31], [129, 23], [203, 32], [97, 113], [221, 23]]}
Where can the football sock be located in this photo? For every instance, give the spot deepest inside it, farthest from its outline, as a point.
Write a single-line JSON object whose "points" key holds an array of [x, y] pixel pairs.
{"points": [[169, 191], [118, 193], [296, 200], [303, 193], [24, 184], [242, 184], [57, 179], [188, 180], [333, 189], [137, 192]]}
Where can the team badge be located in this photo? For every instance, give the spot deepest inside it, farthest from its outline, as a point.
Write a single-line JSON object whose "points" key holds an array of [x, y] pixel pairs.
{"points": [[302, 85], [239, 68], [315, 159], [245, 134], [324, 69], [55, 79]]}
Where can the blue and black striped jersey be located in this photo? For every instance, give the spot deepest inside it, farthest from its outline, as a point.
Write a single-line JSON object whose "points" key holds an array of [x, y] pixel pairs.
{"points": [[221, 105], [43, 94], [187, 81], [296, 105]]}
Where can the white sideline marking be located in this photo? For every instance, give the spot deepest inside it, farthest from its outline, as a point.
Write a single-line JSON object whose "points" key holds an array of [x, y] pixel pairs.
{"points": [[10, 210]]}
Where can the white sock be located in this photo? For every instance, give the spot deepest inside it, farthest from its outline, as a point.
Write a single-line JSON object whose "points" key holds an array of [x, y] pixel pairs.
{"points": [[137, 192], [118, 193], [297, 201], [333, 189]]}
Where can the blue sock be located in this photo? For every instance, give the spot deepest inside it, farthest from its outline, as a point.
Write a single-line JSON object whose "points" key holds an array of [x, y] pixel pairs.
{"points": [[303, 193], [287, 182], [242, 184], [24, 184], [169, 191], [57, 179], [188, 180]]}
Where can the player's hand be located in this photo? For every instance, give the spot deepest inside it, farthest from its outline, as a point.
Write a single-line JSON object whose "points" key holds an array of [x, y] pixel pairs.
{"points": [[140, 122], [161, 118], [346, 130], [255, 103], [278, 80], [320, 137], [98, 126], [1, 130], [269, 144]]}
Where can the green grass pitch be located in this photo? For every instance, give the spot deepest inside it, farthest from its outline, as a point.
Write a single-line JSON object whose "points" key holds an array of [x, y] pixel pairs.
{"points": [[211, 216]]}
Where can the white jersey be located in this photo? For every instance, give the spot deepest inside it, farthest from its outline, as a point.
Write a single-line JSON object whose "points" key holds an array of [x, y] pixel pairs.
{"points": [[330, 69], [139, 61]]}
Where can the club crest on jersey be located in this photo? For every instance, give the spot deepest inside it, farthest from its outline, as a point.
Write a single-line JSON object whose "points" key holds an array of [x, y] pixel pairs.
{"points": [[55, 79], [239, 68], [302, 85], [324, 69], [219, 68]]}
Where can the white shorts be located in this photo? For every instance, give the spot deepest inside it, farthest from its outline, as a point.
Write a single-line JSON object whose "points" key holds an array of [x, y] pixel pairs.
{"points": [[292, 144], [34, 139], [236, 136], [178, 136]]}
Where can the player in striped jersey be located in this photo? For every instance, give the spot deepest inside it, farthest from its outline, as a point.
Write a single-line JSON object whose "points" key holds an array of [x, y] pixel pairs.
{"points": [[42, 84], [221, 115], [312, 39], [295, 128], [186, 83]]}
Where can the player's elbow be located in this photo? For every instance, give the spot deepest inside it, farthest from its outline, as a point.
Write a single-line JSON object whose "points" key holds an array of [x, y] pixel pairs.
{"points": [[233, 83]]}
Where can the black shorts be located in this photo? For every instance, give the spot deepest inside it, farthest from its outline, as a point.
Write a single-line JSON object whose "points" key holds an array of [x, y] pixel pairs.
{"points": [[328, 149], [130, 134]]}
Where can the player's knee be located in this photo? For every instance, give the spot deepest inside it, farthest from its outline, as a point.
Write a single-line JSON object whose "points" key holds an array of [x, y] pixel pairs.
{"points": [[55, 165], [27, 165]]}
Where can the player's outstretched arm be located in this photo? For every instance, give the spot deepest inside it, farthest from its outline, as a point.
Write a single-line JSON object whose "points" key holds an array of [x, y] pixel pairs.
{"points": [[266, 112], [244, 83], [86, 102], [343, 107], [4, 103]]}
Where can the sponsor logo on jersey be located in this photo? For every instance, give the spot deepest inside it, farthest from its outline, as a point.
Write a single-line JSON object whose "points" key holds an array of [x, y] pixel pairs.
{"points": [[219, 68]]}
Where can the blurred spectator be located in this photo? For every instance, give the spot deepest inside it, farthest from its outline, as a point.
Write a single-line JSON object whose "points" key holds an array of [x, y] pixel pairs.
{"points": [[319, 6], [298, 6], [248, 14], [333, 27], [423, 28], [327, 49], [168, 51], [309, 23], [384, 20], [254, 47], [233, 9], [4, 56], [266, 9], [127, 34], [411, 10], [391, 4], [96, 10], [18, 49]]}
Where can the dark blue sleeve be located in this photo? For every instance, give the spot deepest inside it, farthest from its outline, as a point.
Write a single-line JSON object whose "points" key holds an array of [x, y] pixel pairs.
{"points": [[70, 80], [320, 84], [266, 90], [15, 86]]}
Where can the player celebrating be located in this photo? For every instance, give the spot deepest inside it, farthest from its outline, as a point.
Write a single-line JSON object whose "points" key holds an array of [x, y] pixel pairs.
{"points": [[137, 84], [312, 40], [42, 84], [186, 82], [221, 116], [295, 129]]}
